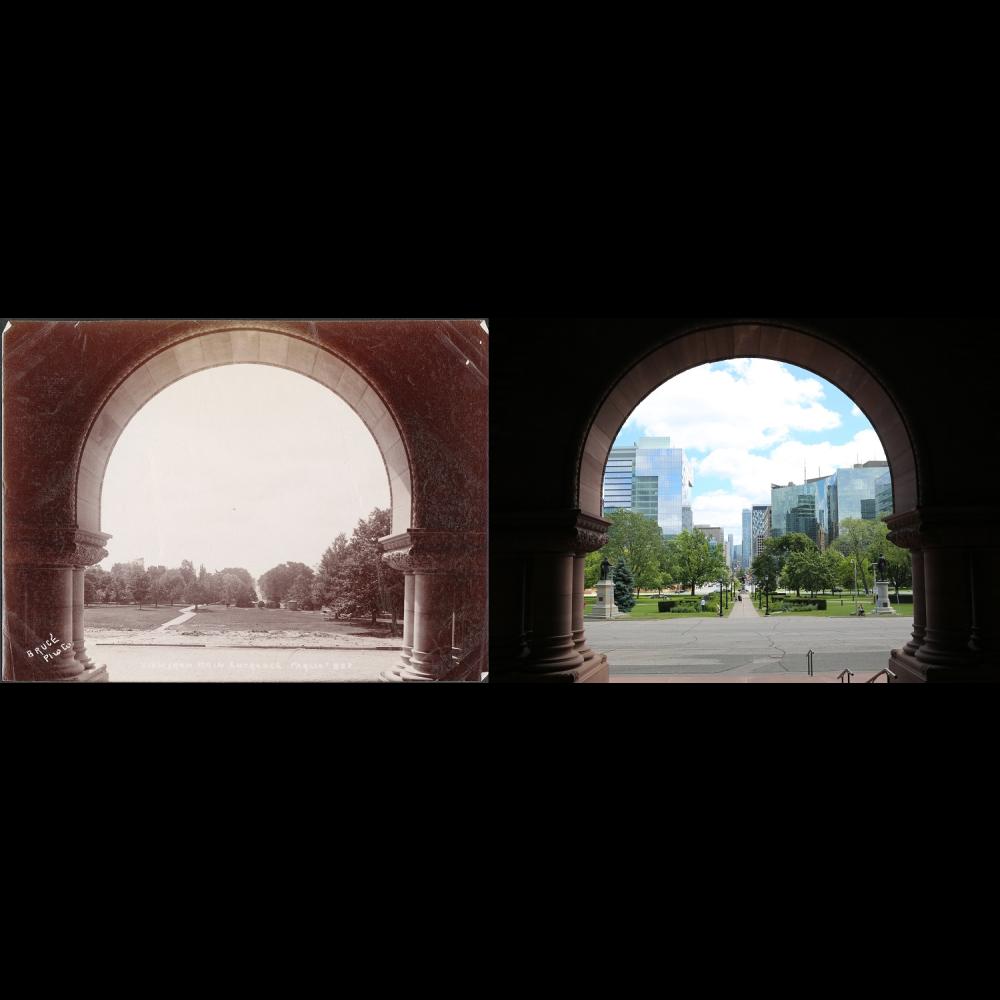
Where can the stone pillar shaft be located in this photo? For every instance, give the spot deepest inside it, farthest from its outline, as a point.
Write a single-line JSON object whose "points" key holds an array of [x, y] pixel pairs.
{"points": [[919, 605], [39, 602], [79, 646], [433, 625], [579, 635], [948, 607], [552, 646]]}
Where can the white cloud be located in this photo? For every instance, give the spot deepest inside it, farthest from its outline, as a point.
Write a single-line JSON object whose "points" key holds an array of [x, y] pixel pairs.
{"points": [[722, 509], [855, 412], [749, 403], [752, 475]]}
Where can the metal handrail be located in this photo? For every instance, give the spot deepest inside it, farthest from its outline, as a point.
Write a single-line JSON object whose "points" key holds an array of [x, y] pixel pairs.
{"points": [[890, 676], [849, 673]]}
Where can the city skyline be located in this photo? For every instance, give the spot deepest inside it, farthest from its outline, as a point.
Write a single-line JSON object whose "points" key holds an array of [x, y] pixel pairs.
{"points": [[748, 424]]}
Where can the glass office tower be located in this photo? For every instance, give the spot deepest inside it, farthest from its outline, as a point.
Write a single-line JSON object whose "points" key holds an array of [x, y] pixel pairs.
{"points": [[883, 495], [854, 494], [787, 502], [653, 479], [746, 545], [760, 528]]}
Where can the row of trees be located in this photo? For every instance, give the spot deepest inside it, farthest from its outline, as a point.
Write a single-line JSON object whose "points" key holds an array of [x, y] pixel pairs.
{"points": [[794, 562], [351, 579], [654, 561], [128, 582]]}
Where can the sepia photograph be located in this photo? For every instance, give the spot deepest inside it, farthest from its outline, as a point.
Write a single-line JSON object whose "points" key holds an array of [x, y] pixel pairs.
{"points": [[245, 501]]}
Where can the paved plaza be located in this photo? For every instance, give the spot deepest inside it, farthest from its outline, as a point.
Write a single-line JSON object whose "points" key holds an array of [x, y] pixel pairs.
{"points": [[747, 647], [222, 663]]}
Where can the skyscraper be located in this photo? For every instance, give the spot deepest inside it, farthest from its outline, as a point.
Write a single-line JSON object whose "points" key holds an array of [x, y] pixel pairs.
{"points": [[760, 528], [746, 545], [650, 478]]}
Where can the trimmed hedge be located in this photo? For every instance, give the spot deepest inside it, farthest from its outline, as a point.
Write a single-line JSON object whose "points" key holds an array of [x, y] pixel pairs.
{"points": [[817, 603]]}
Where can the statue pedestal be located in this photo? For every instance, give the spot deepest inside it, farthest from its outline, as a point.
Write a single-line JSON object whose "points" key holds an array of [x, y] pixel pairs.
{"points": [[604, 607], [882, 605]]}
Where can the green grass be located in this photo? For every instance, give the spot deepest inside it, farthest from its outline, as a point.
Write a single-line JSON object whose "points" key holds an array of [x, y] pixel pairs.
{"points": [[836, 609], [648, 608]]}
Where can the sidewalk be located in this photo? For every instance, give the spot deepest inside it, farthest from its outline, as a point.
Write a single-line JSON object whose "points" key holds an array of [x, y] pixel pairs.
{"points": [[744, 609]]}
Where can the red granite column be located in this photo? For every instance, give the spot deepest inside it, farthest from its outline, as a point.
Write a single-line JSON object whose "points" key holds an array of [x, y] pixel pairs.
{"points": [[985, 638], [79, 645], [579, 635], [551, 545], [919, 604], [952, 639], [44, 607], [447, 603]]}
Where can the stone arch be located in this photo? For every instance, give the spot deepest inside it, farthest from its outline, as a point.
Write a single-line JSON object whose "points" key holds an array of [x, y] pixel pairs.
{"points": [[419, 386], [706, 345], [239, 345]]}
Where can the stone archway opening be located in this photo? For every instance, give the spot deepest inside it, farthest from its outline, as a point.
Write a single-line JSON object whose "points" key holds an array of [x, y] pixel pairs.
{"points": [[540, 627], [728, 343], [72, 387]]}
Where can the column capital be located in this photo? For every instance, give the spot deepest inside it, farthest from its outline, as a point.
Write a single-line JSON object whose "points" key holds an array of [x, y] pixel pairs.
{"points": [[941, 527], [424, 550], [555, 531], [54, 546]]}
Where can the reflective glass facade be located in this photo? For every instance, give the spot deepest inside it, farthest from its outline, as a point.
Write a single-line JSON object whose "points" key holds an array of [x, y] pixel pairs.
{"points": [[747, 543], [653, 479], [883, 495], [760, 527], [788, 499], [852, 488]]}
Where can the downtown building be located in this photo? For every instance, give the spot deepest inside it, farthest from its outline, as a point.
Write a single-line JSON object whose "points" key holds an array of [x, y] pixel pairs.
{"points": [[818, 507], [653, 479], [760, 529]]}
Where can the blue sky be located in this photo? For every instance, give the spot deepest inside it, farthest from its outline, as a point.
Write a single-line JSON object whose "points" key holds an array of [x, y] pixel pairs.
{"points": [[748, 423]]}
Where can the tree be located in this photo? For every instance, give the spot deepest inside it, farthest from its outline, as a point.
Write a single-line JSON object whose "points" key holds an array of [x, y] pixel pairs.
{"points": [[592, 568], [638, 540], [173, 585], [859, 540], [352, 578], [765, 572], [331, 575], [624, 582], [693, 562], [193, 594], [139, 586], [187, 570]]}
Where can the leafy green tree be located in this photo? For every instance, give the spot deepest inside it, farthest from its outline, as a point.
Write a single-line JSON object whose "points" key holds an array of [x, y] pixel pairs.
{"points": [[592, 568], [859, 540], [638, 540], [693, 562], [765, 572], [624, 583]]}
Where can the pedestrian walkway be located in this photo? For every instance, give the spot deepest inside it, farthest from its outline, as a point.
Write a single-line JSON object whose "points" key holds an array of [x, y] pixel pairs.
{"points": [[185, 614], [744, 609]]}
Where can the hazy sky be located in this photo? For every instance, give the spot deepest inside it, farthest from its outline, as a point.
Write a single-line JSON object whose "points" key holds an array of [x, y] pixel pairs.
{"points": [[748, 423], [242, 465]]}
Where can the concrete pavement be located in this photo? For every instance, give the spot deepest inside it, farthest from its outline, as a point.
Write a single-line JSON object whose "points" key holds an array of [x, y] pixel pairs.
{"points": [[747, 647], [222, 664]]}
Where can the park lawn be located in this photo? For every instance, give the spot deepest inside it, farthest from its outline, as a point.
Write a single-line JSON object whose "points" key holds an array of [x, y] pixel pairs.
{"points": [[264, 620], [648, 608], [834, 608], [127, 616]]}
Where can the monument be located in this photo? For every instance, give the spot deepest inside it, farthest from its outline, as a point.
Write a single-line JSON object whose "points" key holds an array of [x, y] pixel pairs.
{"points": [[605, 606], [882, 604]]}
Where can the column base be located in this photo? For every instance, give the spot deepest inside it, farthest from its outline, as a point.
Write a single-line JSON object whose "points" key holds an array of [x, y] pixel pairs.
{"points": [[594, 671], [909, 669]]}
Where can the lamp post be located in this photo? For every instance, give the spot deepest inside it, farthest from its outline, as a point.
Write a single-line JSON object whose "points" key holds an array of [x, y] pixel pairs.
{"points": [[720, 597]]}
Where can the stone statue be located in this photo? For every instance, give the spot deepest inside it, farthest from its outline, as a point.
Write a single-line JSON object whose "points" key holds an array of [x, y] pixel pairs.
{"points": [[605, 569], [881, 567]]}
